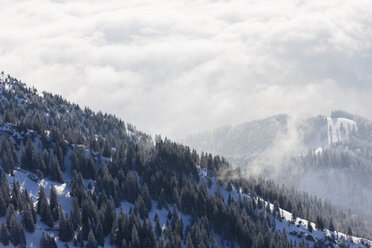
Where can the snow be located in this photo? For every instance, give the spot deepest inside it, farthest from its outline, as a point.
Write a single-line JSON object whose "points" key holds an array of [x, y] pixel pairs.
{"points": [[2, 77], [25, 182], [318, 150], [339, 129], [299, 226]]}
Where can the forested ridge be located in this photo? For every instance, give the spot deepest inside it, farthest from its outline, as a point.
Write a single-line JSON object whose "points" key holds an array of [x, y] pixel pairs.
{"points": [[106, 162]]}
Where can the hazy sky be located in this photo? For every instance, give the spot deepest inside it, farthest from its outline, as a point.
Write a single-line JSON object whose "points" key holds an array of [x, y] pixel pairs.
{"points": [[178, 67]]}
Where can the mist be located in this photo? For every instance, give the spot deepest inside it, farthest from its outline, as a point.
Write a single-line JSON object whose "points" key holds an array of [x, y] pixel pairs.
{"points": [[325, 156], [181, 67]]}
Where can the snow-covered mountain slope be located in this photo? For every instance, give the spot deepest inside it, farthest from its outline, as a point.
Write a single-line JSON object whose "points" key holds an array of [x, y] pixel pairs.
{"points": [[248, 139], [72, 177], [296, 230], [340, 129], [327, 156]]}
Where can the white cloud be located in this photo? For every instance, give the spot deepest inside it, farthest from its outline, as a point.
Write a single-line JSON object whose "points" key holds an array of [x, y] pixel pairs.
{"points": [[177, 67]]}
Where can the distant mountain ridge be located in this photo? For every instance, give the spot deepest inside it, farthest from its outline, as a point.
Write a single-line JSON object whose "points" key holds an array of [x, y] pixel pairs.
{"points": [[316, 154]]}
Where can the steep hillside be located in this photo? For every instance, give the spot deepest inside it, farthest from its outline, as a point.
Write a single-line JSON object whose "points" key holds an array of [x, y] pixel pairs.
{"points": [[72, 177]]}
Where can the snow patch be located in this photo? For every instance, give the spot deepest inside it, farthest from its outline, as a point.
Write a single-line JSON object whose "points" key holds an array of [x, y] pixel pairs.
{"points": [[339, 129]]}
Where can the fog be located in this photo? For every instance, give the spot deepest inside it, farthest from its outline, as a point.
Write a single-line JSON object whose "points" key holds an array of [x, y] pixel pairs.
{"points": [[181, 67], [314, 155]]}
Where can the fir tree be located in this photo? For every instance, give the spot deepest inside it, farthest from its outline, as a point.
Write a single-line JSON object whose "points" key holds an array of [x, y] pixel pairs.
{"points": [[47, 241], [91, 240], [309, 226], [53, 203], [135, 243], [65, 231], [4, 238], [28, 220], [331, 227]]}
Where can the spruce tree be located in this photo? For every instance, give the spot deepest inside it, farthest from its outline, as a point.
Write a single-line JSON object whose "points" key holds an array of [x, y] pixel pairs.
{"points": [[53, 203], [158, 230], [309, 226], [43, 208], [146, 197], [28, 220], [4, 238], [134, 241], [319, 223], [65, 231], [91, 240], [109, 216], [47, 241], [17, 235], [75, 214], [331, 227]]}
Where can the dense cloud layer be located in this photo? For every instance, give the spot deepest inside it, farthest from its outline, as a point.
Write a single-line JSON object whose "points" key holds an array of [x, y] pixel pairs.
{"points": [[177, 67]]}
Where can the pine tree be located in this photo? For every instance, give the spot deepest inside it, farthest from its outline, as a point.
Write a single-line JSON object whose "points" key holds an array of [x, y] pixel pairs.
{"points": [[146, 197], [319, 223], [309, 226], [2, 205], [158, 230], [8, 155], [135, 243], [9, 214], [91, 240], [47, 241], [16, 232], [53, 203], [189, 242], [110, 216], [43, 208], [162, 200], [140, 207], [75, 214], [41, 199], [4, 238], [54, 169], [99, 234], [331, 227], [16, 195], [65, 231], [349, 231], [43, 241], [28, 220], [28, 155]]}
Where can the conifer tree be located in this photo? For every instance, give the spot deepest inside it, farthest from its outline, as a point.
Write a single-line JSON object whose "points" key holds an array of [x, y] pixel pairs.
{"points": [[91, 240], [28, 220], [43, 208], [110, 216], [135, 243], [146, 197], [319, 223], [331, 227], [75, 214], [53, 203], [4, 238], [17, 235], [65, 228], [309, 226], [47, 241], [158, 230]]}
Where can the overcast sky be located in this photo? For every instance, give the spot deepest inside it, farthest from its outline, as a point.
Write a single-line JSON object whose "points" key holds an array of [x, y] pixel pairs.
{"points": [[179, 67]]}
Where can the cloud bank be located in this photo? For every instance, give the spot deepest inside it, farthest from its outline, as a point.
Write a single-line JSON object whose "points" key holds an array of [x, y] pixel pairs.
{"points": [[180, 67]]}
